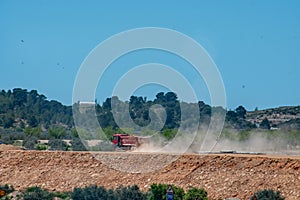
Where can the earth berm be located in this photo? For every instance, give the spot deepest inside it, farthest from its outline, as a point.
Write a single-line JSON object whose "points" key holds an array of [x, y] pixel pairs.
{"points": [[222, 176]]}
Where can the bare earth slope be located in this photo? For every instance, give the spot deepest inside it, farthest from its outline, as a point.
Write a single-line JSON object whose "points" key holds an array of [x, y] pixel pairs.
{"points": [[221, 175]]}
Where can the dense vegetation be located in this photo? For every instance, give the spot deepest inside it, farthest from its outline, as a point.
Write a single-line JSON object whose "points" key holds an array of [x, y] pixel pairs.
{"points": [[94, 192], [267, 194], [21, 108], [29, 116]]}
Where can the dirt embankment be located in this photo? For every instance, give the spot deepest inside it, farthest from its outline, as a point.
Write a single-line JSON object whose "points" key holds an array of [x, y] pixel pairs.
{"points": [[222, 176]]}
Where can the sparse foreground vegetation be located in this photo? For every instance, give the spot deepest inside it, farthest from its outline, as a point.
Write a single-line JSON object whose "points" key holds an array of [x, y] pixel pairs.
{"points": [[93, 192], [267, 194]]}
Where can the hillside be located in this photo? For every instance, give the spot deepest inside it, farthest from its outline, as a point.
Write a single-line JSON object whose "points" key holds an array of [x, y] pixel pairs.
{"points": [[20, 108], [222, 176], [286, 116]]}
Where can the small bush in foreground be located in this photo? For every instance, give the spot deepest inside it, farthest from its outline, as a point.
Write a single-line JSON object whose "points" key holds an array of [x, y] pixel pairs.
{"points": [[195, 193], [89, 193], [267, 195], [158, 192], [130, 192], [121, 193], [36, 193], [62, 195]]}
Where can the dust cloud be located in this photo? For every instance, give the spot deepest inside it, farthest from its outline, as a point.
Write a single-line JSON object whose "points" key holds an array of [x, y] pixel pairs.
{"points": [[213, 142], [253, 142]]}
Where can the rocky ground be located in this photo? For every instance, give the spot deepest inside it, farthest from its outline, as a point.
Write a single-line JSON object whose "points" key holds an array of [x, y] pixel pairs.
{"points": [[222, 176]]}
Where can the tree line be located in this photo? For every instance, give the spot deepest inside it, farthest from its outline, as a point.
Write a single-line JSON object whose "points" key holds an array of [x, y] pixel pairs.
{"points": [[24, 111], [20, 108]]}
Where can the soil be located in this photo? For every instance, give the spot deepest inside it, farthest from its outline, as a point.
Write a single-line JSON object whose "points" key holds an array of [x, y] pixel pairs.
{"points": [[6, 147], [222, 176]]}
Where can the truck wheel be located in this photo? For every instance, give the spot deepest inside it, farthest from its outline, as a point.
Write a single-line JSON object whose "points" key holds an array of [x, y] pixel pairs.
{"points": [[133, 148]]}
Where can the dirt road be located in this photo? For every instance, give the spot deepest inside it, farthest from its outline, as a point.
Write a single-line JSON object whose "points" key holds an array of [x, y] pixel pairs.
{"points": [[222, 176]]}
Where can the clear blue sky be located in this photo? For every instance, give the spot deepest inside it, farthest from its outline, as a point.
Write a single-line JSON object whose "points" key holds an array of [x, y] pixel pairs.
{"points": [[255, 44]]}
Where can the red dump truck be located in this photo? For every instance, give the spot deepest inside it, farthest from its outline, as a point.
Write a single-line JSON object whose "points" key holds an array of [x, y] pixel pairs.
{"points": [[127, 142]]}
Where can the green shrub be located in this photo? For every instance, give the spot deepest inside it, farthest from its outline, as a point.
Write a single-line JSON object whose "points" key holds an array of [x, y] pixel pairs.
{"points": [[17, 143], [62, 195], [30, 142], [89, 193], [158, 192], [121, 193], [36, 193], [57, 132], [41, 147], [195, 193], [130, 193], [169, 133], [57, 145], [78, 145], [267, 195]]}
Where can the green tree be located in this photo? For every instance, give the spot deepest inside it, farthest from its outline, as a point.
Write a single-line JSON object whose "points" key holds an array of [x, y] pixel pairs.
{"points": [[58, 145], [109, 131], [74, 133], [265, 124], [77, 145], [32, 121], [231, 116], [32, 109], [30, 142], [36, 193], [85, 134], [57, 132], [19, 97], [171, 104], [89, 193], [121, 193], [158, 192], [267, 195], [130, 192], [169, 133], [8, 121], [105, 116], [36, 132], [241, 112], [195, 193]]}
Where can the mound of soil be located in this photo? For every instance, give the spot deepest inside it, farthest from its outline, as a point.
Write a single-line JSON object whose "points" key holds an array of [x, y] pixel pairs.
{"points": [[222, 176], [6, 147]]}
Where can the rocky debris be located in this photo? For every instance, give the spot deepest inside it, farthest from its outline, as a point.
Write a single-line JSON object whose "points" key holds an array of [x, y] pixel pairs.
{"points": [[222, 176]]}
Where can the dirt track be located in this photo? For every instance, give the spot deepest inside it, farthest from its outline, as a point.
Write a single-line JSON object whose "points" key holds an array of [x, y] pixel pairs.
{"points": [[222, 176]]}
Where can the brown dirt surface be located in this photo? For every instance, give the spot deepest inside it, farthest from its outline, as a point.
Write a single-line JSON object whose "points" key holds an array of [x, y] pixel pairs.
{"points": [[222, 176], [6, 147]]}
